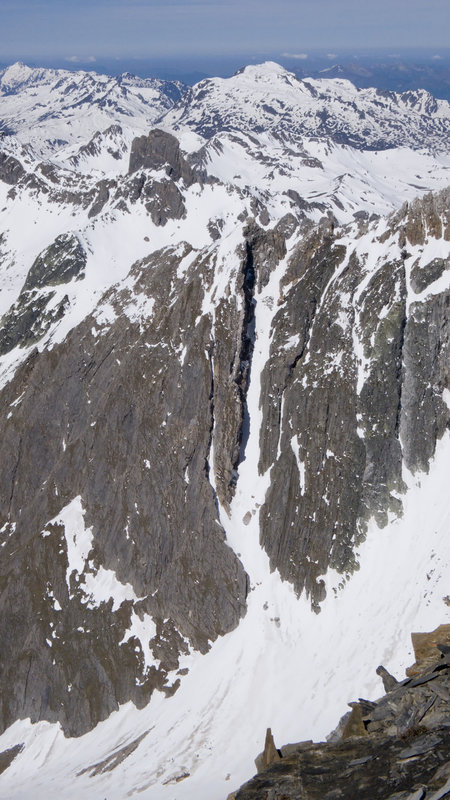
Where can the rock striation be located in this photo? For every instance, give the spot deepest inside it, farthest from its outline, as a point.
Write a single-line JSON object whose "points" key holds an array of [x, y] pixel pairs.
{"points": [[354, 385]]}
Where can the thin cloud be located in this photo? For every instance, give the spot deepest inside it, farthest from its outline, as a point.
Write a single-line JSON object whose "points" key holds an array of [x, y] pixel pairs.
{"points": [[331, 55], [437, 57], [81, 59], [299, 56]]}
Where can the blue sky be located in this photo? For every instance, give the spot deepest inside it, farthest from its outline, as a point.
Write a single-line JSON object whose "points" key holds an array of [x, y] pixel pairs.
{"points": [[87, 30]]}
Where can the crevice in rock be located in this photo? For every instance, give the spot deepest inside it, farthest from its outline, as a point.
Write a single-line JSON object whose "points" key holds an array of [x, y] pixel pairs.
{"points": [[92, 364], [242, 378], [211, 423], [400, 374], [26, 680], [13, 477]]}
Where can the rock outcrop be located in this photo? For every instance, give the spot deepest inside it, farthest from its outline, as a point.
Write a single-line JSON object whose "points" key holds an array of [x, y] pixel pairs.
{"points": [[354, 386], [38, 306], [160, 150], [122, 420], [11, 170], [137, 423], [397, 748], [176, 307]]}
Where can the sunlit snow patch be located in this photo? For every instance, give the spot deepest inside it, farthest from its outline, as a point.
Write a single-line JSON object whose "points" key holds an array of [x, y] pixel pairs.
{"points": [[100, 585]]}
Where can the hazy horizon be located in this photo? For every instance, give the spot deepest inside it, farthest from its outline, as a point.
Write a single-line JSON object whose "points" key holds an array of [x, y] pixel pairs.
{"points": [[93, 30], [408, 68]]}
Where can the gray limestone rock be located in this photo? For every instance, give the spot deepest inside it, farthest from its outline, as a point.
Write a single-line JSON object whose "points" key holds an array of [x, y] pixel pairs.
{"points": [[29, 319], [11, 170], [309, 418], [389, 682], [338, 420], [104, 189], [423, 275], [160, 150], [425, 414], [140, 417], [364, 758], [122, 420], [59, 263], [36, 308], [163, 201]]}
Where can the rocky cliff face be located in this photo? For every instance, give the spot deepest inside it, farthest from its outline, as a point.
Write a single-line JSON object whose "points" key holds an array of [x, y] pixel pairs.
{"points": [[354, 384], [140, 417]]}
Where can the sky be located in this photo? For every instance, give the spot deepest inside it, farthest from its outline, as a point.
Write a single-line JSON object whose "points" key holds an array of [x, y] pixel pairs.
{"points": [[84, 31]]}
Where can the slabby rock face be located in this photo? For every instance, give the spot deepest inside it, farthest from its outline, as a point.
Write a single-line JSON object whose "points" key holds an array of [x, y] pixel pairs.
{"points": [[11, 170], [160, 150], [119, 415], [353, 386], [38, 306]]}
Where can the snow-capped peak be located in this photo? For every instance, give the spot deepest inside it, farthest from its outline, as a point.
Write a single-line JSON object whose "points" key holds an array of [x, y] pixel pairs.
{"points": [[266, 97], [15, 75]]}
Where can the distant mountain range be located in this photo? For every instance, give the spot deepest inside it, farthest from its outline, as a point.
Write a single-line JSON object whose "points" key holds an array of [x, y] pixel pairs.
{"points": [[406, 70]]}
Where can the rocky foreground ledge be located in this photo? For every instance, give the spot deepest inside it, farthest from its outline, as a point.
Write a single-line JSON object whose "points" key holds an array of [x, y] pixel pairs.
{"points": [[396, 748]]}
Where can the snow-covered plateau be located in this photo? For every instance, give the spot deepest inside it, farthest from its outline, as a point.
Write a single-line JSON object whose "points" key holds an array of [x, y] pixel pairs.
{"points": [[224, 415]]}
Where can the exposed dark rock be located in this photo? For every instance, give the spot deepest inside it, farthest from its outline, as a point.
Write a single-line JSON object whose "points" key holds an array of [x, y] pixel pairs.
{"points": [[423, 276], [309, 429], [11, 170], [335, 429], [364, 767], [268, 249], [424, 217], [425, 414], [383, 319], [233, 349], [34, 312], [29, 319], [138, 459], [354, 725], [389, 682], [163, 201], [62, 261], [270, 754], [113, 761], [8, 756], [429, 648], [126, 413], [160, 150], [104, 188]]}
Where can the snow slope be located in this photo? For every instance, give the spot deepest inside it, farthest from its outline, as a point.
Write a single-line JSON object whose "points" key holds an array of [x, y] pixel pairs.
{"points": [[270, 98], [51, 109]]}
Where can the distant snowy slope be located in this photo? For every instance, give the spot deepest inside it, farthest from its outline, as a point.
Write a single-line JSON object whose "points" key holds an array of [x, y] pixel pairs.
{"points": [[268, 97], [50, 108]]}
